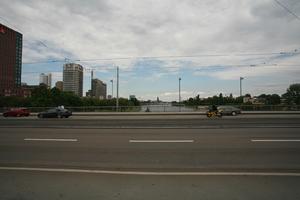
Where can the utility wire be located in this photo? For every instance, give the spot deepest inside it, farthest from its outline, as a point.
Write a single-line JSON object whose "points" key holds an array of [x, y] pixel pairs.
{"points": [[199, 68], [295, 52], [39, 41], [287, 9], [11, 25]]}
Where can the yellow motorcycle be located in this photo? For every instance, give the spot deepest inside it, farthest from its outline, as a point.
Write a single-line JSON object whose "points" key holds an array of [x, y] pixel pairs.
{"points": [[211, 114]]}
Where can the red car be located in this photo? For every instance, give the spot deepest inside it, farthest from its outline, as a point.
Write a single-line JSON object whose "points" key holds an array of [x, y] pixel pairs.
{"points": [[17, 112]]}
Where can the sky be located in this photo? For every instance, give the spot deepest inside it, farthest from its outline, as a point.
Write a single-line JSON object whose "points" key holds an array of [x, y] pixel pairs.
{"points": [[208, 44]]}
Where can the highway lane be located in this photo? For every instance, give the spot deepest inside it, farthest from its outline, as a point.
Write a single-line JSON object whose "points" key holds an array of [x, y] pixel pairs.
{"points": [[70, 186], [197, 158], [153, 149]]}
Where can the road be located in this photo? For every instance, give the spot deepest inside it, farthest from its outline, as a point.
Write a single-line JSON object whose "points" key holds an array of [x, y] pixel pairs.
{"points": [[171, 157], [170, 121]]}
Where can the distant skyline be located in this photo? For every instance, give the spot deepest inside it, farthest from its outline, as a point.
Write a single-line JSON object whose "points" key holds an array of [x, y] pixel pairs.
{"points": [[219, 41]]}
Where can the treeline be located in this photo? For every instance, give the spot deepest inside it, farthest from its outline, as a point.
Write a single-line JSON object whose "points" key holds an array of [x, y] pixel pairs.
{"points": [[291, 97], [216, 100], [44, 97]]}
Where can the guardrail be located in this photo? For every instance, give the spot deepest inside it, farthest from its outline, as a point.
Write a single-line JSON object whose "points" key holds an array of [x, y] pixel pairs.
{"points": [[164, 108]]}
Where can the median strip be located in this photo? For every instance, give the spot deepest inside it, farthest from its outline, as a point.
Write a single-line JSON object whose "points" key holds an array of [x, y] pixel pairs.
{"points": [[161, 141], [51, 139]]}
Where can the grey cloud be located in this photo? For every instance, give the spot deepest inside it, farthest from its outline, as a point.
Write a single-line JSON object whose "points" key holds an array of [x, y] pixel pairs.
{"points": [[93, 29]]}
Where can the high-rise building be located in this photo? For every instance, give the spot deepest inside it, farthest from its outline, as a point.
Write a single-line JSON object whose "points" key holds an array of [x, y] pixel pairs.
{"points": [[73, 78], [98, 89], [10, 61], [46, 79], [59, 85]]}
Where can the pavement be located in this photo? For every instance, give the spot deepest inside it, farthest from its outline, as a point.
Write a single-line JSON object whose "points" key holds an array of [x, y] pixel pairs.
{"points": [[150, 157]]}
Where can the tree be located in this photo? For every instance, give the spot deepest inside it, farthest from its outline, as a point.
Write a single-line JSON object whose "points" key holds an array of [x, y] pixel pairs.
{"points": [[273, 99], [221, 99], [292, 94], [134, 101]]}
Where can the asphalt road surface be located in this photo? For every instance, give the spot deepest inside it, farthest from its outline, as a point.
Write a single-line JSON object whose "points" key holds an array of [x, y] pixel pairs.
{"points": [[170, 121], [168, 157]]}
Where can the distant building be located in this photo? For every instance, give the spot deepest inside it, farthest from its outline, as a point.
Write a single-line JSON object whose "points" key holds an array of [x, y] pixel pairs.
{"points": [[248, 99], [99, 89], [46, 79], [88, 93], [253, 100], [59, 85], [73, 78], [27, 90], [132, 97], [10, 62]]}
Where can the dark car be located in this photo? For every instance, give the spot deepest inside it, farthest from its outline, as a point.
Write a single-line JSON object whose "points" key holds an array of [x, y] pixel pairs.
{"points": [[229, 110], [55, 113], [17, 112]]}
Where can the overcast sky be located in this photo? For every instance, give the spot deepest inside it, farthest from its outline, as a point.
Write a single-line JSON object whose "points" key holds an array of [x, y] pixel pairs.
{"points": [[222, 39]]}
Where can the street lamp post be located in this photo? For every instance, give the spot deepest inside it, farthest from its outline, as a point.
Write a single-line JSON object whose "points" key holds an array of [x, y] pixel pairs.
{"points": [[179, 97], [241, 93], [112, 88], [117, 102], [92, 77]]}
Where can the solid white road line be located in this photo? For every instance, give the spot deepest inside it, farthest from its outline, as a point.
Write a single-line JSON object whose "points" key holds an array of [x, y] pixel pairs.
{"points": [[152, 173], [51, 139], [161, 141], [275, 140]]}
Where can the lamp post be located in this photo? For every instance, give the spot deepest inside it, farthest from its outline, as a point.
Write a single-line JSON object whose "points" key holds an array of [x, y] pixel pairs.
{"points": [[241, 93], [179, 97], [92, 77], [117, 102], [112, 88]]}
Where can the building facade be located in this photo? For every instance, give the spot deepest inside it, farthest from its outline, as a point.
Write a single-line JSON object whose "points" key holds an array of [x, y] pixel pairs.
{"points": [[46, 79], [10, 61], [98, 89], [59, 85], [73, 78]]}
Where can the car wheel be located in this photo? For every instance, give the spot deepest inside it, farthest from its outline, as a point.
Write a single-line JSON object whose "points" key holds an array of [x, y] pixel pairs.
{"points": [[5, 115], [233, 113], [40, 116]]}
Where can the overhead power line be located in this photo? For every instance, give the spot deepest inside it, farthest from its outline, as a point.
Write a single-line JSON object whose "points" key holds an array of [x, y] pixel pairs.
{"points": [[287, 9], [295, 52], [196, 68]]}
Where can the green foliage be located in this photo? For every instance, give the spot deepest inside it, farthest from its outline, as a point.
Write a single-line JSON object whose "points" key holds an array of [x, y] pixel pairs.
{"points": [[44, 97], [134, 102], [216, 100], [292, 94]]}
